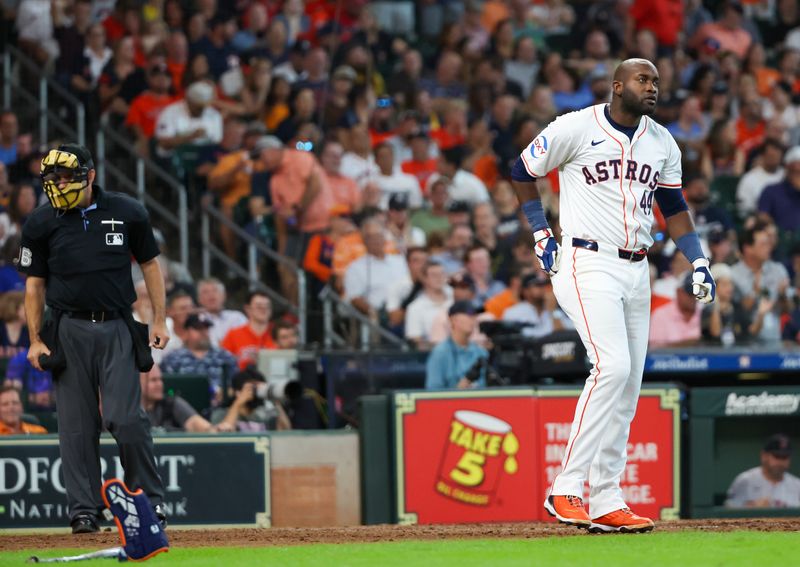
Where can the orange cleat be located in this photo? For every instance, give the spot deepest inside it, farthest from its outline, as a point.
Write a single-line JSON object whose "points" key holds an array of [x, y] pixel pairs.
{"points": [[622, 520], [568, 510]]}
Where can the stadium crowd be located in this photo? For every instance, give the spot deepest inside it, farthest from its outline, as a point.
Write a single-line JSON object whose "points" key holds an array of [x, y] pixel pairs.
{"points": [[372, 143]]}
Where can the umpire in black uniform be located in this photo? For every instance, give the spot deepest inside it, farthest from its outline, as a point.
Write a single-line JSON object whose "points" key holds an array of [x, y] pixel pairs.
{"points": [[76, 252]]}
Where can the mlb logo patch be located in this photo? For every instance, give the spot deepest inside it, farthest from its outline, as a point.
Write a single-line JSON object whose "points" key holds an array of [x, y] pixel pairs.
{"points": [[113, 239], [539, 146]]}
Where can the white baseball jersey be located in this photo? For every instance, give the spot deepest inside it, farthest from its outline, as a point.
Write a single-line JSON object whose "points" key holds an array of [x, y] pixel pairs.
{"points": [[606, 180]]}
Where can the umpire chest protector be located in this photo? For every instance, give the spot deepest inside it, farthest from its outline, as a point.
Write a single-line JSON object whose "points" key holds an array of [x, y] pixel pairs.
{"points": [[85, 254]]}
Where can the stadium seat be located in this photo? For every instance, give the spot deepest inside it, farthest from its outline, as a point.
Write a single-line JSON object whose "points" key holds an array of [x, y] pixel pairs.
{"points": [[723, 193]]}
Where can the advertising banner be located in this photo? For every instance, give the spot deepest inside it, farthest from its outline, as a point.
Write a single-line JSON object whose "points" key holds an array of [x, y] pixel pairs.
{"points": [[466, 456], [209, 480], [651, 480], [491, 455]]}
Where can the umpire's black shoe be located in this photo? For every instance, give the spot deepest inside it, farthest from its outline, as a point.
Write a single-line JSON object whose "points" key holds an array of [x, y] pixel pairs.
{"points": [[84, 524], [160, 515]]}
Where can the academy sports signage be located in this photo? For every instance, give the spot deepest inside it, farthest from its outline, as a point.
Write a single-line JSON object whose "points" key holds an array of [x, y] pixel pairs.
{"points": [[490, 455], [32, 488]]}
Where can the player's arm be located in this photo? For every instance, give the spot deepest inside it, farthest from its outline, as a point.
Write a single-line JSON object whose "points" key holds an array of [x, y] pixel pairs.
{"points": [[546, 247], [680, 227]]}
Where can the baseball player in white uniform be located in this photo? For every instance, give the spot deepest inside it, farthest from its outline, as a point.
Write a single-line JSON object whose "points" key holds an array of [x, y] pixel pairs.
{"points": [[613, 160]]}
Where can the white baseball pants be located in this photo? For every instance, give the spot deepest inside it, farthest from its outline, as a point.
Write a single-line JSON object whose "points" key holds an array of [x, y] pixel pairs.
{"points": [[608, 300]]}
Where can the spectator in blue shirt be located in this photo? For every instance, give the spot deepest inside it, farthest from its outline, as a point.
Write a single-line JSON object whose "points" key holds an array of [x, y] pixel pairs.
{"points": [[9, 130], [199, 356], [38, 384], [457, 362], [782, 200]]}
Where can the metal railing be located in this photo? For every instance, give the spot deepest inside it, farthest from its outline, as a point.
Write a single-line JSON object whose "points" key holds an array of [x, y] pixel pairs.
{"points": [[255, 247], [132, 173], [47, 113], [135, 181], [369, 333]]}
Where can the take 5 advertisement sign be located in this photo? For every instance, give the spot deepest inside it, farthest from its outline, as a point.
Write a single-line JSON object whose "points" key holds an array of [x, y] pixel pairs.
{"points": [[465, 456], [491, 455]]}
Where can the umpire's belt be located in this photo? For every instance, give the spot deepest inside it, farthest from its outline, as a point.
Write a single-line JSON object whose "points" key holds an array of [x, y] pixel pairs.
{"points": [[631, 255], [94, 316]]}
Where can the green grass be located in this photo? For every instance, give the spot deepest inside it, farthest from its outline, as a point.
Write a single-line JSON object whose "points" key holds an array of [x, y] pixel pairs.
{"points": [[684, 549]]}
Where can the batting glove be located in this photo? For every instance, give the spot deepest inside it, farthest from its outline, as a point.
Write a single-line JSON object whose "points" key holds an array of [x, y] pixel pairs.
{"points": [[548, 252], [704, 287]]}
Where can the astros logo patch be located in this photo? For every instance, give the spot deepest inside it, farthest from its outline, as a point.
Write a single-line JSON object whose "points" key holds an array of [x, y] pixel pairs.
{"points": [[539, 146]]}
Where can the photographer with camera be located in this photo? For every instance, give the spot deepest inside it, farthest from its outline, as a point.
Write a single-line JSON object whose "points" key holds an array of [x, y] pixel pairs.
{"points": [[255, 406], [457, 362]]}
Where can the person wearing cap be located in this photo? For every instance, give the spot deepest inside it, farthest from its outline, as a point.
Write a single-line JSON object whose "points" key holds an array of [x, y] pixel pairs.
{"points": [[456, 361], [189, 121], [781, 202], [435, 296], [465, 186], [434, 218], [725, 322], [145, 108], [538, 309], [769, 485], [769, 171], [392, 181], [170, 412], [727, 30], [76, 252], [678, 322], [707, 216], [398, 226], [199, 356]]}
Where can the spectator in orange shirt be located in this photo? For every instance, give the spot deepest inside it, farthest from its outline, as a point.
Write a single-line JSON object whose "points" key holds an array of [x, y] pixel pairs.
{"points": [[145, 108], [318, 260], [177, 48], [11, 414], [727, 30], [498, 303], [453, 131], [421, 165], [750, 126], [754, 64], [344, 190], [244, 342], [301, 200]]}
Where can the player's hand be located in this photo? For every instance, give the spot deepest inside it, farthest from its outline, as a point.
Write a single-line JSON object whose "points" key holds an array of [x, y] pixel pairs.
{"points": [[704, 287], [37, 349], [159, 335], [548, 252]]}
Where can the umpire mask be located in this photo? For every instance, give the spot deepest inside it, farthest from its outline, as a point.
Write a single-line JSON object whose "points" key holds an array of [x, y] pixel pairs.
{"points": [[65, 175]]}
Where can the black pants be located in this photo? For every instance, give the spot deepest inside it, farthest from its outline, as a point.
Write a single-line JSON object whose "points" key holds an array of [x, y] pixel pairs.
{"points": [[101, 370]]}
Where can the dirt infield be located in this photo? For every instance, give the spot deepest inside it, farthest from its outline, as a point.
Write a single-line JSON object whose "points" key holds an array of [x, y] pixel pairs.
{"points": [[368, 534]]}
